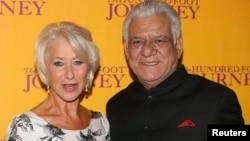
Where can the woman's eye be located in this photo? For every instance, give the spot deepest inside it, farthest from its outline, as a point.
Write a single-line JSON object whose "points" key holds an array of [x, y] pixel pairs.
{"points": [[78, 62], [58, 63]]}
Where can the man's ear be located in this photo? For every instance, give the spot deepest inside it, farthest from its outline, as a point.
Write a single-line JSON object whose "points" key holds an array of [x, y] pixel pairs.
{"points": [[179, 47], [125, 45]]}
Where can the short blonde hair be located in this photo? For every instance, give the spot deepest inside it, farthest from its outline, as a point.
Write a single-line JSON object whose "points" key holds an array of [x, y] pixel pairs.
{"points": [[79, 39]]}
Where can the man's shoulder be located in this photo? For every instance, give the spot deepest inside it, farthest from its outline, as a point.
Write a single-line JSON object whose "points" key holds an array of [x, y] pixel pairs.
{"points": [[122, 94], [210, 84]]}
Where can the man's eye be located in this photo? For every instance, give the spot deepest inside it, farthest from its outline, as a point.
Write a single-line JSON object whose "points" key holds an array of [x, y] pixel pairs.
{"points": [[58, 63], [159, 41], [136, 42]]}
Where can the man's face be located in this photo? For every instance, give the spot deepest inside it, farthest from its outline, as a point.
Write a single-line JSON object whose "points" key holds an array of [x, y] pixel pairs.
{"points": [[151, 52]]}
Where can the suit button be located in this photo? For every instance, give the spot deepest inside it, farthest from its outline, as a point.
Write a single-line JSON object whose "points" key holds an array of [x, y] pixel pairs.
{"points": [[146, 128], [150, 98]]}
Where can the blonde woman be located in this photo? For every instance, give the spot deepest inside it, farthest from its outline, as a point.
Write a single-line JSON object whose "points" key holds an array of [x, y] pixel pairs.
{"points": [[67, 60]]}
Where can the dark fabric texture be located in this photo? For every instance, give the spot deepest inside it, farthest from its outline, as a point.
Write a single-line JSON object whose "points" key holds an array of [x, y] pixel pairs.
{"points": [[179, 109]]}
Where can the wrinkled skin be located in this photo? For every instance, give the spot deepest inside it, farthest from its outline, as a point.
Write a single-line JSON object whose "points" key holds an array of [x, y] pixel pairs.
{"points": [[151, 52]]}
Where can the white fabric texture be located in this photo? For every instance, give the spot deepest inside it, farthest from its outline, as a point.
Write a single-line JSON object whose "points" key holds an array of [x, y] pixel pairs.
{"points": [[30, 127]]}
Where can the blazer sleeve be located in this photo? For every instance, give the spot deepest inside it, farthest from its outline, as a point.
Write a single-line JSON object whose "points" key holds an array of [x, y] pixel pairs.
{"points": [[229, 110]]}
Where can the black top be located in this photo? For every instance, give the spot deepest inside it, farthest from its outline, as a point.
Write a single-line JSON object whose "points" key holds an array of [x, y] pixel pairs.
{"points": [[178, 109]]}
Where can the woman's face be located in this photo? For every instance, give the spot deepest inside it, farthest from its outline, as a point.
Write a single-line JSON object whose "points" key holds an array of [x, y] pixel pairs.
{"points": [[67, 74], [151, 52]]}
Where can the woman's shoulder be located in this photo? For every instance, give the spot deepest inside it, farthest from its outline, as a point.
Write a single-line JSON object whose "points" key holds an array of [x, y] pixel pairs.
{"points": [[27, 118], [99, 119], [96, 114]]}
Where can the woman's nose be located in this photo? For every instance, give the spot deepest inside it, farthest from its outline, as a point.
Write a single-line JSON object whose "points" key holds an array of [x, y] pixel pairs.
{"points": [[69, 74]]}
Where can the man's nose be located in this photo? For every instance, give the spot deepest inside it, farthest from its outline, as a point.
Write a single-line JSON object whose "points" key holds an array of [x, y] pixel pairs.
{"points": [[149, 48]]}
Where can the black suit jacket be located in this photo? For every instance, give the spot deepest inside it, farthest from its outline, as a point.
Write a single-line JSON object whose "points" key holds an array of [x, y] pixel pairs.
{"points": [[179, 109]]}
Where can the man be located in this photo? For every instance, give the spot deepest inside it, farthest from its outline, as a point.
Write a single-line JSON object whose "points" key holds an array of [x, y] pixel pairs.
{"points": [[165, 103]]}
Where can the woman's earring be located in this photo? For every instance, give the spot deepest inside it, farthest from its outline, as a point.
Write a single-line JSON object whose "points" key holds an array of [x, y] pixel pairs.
{"points": [[86, 88], [48, 89]]}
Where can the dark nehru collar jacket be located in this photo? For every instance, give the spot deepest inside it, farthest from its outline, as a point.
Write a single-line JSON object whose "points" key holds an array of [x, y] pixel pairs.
{"points": [[179, 109]]}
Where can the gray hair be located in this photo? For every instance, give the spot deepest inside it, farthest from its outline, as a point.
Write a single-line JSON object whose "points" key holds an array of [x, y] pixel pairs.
{"points": [[149, 8], [79, 39]]}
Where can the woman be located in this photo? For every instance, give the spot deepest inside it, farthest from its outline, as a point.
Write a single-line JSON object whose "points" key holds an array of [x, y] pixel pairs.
{"points": [[66, 60]]}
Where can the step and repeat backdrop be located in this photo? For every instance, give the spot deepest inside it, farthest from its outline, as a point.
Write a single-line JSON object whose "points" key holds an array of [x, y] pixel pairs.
{"points": [[216, 46]]}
